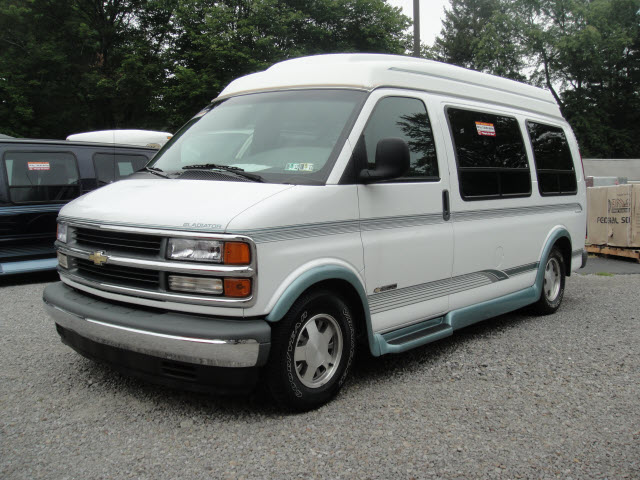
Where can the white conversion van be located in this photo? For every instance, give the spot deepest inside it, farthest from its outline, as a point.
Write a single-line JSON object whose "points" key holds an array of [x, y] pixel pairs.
{"points": [[324, 202]]}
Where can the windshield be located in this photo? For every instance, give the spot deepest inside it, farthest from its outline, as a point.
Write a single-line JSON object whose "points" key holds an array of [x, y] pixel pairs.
{"points": [[284, 137]]}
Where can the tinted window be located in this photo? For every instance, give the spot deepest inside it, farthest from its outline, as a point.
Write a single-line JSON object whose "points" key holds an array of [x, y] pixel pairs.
{"points": [[110, 167], [404, 118], [491, 157], [41, 176], [554, 164]]}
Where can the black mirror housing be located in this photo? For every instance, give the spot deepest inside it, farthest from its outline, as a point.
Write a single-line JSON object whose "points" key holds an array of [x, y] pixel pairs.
{"points": [[392, 161]]}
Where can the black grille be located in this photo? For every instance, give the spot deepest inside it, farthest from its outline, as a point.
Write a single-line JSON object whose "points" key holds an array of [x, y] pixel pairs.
{"points": [[119, 275], [126, 242], [8, 225]]}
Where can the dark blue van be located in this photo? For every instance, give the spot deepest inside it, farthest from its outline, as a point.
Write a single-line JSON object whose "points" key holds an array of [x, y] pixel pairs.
{"points": [[37, 177]]}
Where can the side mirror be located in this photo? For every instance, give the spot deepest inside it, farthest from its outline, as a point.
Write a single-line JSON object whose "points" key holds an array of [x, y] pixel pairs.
{"points": [[392, 161]]}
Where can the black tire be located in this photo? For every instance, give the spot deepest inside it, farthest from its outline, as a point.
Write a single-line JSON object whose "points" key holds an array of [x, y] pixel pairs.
{"points": [[285, 376], [552, 285]]}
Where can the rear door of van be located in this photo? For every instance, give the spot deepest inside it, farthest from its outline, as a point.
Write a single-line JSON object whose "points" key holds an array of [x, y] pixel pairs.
{"points": [[501, 216]]}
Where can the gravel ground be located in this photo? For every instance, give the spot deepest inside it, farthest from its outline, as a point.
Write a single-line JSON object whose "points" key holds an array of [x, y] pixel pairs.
{"points": [[514, 397]]}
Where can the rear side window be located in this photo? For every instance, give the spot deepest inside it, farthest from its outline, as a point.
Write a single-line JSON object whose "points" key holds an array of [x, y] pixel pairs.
{"points": [[490, 153], [42, 177], [554, 164], [404, 118], [110, 167]]}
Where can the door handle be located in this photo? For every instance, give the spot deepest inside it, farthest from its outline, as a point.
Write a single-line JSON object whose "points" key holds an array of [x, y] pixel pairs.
{"points": [[446, 210]]}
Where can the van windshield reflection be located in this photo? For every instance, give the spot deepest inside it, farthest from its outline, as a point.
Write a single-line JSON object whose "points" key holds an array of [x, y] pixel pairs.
{"points": [[282, 137]]}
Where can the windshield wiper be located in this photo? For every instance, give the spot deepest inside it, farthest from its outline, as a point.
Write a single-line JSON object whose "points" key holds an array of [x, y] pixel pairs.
{"points": [[237, 170], [156, 171]]}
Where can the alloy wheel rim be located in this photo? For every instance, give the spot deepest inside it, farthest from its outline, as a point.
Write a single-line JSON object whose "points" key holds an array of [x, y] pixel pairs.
{"points": [[552, 282], [318, 350]]}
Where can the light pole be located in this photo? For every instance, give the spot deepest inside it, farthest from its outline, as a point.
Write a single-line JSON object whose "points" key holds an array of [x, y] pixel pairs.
{"points": [[416, 28]]}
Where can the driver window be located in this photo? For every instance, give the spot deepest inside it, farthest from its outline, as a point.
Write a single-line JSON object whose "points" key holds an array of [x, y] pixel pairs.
{"points": [[404, 118]]}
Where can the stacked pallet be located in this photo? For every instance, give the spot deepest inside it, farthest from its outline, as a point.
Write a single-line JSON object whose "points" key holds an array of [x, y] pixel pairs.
{"points": [[614, 221]]}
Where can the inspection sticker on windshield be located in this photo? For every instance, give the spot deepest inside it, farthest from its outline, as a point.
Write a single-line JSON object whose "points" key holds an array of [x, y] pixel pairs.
{"points": [[38, 166], [299, 167], [486, 129]]}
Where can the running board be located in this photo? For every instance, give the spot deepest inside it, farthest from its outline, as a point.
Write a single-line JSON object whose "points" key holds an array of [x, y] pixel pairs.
{"points": [[413, 336]]}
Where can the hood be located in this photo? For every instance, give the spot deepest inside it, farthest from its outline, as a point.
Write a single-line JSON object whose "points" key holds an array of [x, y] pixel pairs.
{"points": [[195, 205]]}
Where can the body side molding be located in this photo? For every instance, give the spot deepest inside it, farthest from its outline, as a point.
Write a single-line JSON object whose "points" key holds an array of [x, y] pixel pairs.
{"points": [[435, 329]]}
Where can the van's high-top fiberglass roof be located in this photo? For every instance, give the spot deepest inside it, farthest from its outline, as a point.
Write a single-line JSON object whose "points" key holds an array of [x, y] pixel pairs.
{"points": [[370, 71]]}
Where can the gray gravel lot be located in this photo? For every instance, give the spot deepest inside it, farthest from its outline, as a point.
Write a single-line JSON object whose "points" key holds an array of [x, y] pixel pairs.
{"points": [[514, 397]]}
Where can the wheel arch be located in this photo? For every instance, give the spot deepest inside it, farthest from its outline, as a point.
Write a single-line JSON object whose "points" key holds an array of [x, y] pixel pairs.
{"points": [[339, 279], [564, 244], [558, 236]]}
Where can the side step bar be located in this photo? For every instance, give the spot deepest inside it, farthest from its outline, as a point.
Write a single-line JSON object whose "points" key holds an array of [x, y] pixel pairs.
{"points": [[413, 336]]}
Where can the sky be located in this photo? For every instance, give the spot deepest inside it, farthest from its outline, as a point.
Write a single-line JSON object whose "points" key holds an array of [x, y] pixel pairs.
{"points": [[431, 15]]}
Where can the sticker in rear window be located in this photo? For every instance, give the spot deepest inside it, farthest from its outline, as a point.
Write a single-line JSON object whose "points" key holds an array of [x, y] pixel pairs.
{"points": [[292, 167], [38, 166], [486, 129]]}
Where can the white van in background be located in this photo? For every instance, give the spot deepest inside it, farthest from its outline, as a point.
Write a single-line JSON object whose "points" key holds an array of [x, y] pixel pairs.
{"points": [[326, 201], [143, 138]]}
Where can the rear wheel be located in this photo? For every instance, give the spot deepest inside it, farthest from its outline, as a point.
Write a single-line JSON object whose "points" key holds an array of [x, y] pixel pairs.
{"points": [[312, 351], [552, 285]]}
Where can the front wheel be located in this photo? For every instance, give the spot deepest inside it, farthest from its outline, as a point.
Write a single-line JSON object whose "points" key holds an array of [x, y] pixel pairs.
{"points": [[312, 351], [552, 285]]}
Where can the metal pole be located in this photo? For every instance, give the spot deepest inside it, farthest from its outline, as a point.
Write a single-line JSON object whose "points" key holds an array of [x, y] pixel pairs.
{"points": [[416, 28]]}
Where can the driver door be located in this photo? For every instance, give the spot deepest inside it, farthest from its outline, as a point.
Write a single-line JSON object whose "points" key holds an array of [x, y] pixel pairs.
{"points": [[407, 240]]}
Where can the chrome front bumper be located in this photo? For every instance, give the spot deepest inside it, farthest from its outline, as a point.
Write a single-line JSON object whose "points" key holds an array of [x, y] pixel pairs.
{"points": [[168, 335]]}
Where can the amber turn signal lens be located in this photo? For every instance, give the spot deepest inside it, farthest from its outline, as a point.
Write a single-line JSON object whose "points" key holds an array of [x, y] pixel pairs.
{"points": [[237, 253], [237, 287]]}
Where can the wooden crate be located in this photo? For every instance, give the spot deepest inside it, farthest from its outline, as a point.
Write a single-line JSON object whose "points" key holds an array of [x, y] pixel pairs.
{"points": [[614, 251]]}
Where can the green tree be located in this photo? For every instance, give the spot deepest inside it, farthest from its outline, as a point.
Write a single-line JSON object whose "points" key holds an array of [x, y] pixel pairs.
{"points": [[478, 34], [218, 41], [74, 65], [586, 52]]}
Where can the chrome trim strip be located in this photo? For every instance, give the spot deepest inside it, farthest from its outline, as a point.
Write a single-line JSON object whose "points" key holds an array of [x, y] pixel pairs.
{"points": [[389, 300], [78, 282], [168, 266], [293, 232], [472, 215], [203, 351], [383, 223], [160, 230], [522, 269]]}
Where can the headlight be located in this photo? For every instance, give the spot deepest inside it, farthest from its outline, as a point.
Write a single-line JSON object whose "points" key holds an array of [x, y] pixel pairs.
{"points": [[62, 232], [215, 251], [195, 250]]}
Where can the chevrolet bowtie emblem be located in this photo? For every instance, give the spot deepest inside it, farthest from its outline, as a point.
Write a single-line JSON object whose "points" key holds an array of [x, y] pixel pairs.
{"points": [[98, 258]]}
